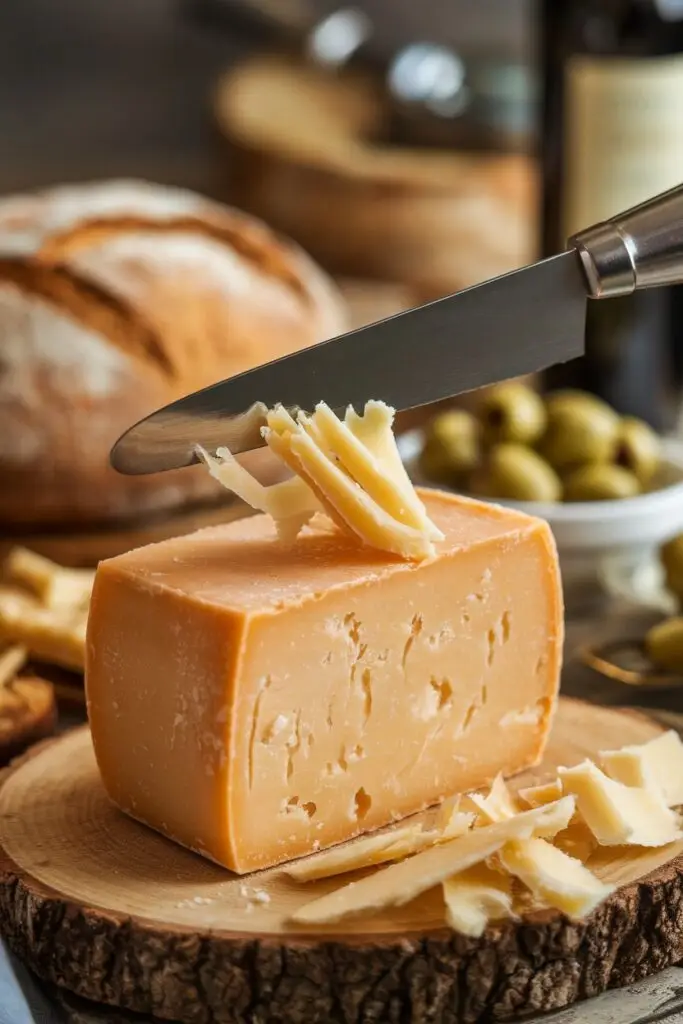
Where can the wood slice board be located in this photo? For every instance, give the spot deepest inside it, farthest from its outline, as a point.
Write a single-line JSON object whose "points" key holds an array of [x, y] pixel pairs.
{"points": [[99, 905], [654, 1000]]}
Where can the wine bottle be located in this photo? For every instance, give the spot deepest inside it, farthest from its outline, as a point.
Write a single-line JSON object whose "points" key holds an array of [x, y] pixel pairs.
{"points": [[612, 136]]}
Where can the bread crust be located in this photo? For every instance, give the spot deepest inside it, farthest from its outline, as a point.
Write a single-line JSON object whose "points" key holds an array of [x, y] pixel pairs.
{"points": [[116, 298]]}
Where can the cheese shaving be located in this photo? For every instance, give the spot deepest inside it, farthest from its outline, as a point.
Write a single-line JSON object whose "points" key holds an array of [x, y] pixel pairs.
{"points": [[475, 897], [498, 805], [291, 504], [362, 853], [554, 877], [55, 586], [545, 848], [616, 814], [379, 849], [656, 766], [536, 796], [44, 608], [550, 874], [349, 469], [399, 883], [11, 662]]}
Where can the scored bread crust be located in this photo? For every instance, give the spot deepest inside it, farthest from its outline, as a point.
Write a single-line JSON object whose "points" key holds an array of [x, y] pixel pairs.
{"points": [[117, 298]]}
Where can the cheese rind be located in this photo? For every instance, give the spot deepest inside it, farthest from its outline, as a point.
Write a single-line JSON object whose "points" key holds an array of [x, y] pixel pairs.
{"points": [[334, 688]]}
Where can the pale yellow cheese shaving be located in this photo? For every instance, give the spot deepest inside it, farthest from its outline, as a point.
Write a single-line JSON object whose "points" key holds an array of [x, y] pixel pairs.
{"points": [[291, 504], [373, 461], [362, 853], [399, 883], [56, 586], [458, 825], [554, 877], [475, 897], [546, 793], [350, 469], [616, 814], [44, 608], [12, 661], [451, 820], [476, 869], [379, 849], [550, 874], [497, 805], [656, 766]]}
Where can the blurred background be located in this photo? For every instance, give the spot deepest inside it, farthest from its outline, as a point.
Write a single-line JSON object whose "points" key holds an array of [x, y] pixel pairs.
{"points": [[95, 90]]}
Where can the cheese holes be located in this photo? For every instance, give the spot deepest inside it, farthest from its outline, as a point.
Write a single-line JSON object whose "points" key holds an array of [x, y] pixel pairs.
{"points": [[362, 802], [490, 646], [498, 635], [443, 690], [415, 630], [366, 684], [293, 806]]}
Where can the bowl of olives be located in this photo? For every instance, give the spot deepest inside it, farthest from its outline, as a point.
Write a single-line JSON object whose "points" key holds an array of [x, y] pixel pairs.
{"points": [[608, 485]]}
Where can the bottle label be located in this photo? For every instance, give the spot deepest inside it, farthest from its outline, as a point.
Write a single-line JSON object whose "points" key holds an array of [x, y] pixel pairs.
{"points": [[624, 142]]}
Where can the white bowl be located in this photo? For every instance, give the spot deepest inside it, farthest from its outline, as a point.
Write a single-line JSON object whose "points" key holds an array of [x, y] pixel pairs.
{"points": [[602, 541]]}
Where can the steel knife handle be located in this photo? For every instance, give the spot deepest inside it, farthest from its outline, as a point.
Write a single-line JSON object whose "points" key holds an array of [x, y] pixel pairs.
{"points": [[641, 248]]}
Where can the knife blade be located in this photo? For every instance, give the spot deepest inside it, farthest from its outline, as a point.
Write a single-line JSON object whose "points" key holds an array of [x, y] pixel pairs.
{"points": [[512, 325], [515, 324]]}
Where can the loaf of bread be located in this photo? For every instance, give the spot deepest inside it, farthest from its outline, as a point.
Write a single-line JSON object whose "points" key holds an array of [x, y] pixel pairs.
{"points": [[117, 298]]}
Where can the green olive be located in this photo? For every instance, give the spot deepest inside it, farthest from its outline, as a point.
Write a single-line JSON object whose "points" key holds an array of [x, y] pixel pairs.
{"points": [[581, 429], [638, 449], [452, 446], [513, 412], [664, 644], [600, 482], [671, 556], [674, 582], [516, 473], [671, 553]]}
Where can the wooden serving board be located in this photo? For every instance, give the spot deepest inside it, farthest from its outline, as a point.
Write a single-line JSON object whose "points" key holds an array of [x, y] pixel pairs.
{"points": [[103, 907]]}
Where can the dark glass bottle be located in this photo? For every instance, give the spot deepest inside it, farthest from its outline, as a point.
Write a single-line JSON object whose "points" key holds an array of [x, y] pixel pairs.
{"points": [[612, 134]]}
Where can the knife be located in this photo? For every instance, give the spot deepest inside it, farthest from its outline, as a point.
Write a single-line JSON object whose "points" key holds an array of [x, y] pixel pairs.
{"points": [[512, 325]]}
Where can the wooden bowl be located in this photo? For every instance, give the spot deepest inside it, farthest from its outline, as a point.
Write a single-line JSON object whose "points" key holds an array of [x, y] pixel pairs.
{"points": [[307, 156]]}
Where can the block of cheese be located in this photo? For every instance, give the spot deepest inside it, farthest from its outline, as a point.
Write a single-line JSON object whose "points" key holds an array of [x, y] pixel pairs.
{"points": [[258, 701]]}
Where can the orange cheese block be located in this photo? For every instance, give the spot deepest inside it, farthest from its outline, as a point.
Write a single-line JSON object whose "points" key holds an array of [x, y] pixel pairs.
{"points": [[257, 702]]}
